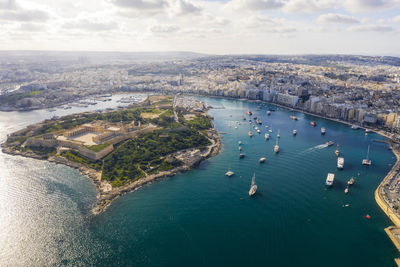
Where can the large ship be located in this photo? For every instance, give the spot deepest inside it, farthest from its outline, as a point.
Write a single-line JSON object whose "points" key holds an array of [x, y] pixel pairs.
{"points": [[323, 130], [340, 163], [367, 161], [253, 186], [329, 179]]}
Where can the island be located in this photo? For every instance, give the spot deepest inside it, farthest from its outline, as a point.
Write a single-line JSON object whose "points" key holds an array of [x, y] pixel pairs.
{"points": [[122, 149]]}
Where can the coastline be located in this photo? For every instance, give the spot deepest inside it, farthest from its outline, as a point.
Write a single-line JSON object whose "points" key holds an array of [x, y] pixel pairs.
{"points": [[105, 193]]}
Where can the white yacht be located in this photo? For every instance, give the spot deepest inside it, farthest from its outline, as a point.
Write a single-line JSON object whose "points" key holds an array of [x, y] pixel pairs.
{"points": [[367, 161], [340, 163], [229, 173], [329, 179]]}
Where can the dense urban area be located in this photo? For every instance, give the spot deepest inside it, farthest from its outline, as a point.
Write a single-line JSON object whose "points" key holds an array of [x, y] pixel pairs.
{"points": [[358, 89]]}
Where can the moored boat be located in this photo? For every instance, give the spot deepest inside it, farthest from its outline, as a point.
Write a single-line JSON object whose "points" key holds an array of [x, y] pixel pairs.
{"points": [[262, 160], [351, 181], [242, 155], [266, 136], [337, 152], [346, 190], [229, 173], [340, 163], [323, 130], [268, 112], [329, 179], [313, 123], [250, 133], [294, 132]]}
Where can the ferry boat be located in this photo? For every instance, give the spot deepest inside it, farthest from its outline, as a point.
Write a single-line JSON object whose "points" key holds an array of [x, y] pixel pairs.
{"points": [[323, 130], [242, 155], [294, 132], [262, 160], [276, 147], [266, 136], [250, 133], [367, 161], [329, 179], [229, 173], [351, 181], [340, 163], [330, 143], [313, 123], [249, 113], [337, 152], [253, 186], [268, 112]]}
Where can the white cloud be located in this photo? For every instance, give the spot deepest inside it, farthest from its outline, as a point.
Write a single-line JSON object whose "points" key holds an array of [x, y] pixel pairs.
{"points": [[164, 28], [89, 25], [8, 4], [332, 18], [24, 15], [310, 6], [371, 28], [255, 4], [396, 19], [182, 7], [360, 6]]}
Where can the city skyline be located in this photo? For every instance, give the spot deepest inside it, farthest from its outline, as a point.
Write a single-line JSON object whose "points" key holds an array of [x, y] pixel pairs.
{"points": [[369, 27]]}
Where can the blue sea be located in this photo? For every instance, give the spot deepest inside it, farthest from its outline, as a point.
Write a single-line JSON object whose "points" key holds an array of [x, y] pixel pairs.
{"points": [[202, 217]]}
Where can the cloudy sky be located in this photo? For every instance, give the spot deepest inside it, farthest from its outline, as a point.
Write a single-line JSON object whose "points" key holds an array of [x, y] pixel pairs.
{"points": [[213, 26]]}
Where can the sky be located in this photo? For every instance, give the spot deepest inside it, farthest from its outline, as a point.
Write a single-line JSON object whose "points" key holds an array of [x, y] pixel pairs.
{"points": [[368, 27]]}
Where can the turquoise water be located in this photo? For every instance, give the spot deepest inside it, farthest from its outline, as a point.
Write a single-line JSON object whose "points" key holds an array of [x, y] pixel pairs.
{"points": [[202, 217]]}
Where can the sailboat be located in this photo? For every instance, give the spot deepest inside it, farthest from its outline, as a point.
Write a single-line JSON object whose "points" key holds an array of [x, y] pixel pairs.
{"points": [[253, 187], [276, 147], [337, 152], [367, 161]]}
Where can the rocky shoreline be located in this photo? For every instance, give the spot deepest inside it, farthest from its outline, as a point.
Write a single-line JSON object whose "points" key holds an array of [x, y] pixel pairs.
{"points": [[105, 193]]}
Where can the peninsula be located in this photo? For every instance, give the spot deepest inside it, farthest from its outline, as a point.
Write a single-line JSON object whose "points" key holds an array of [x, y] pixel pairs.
{"points": [[123, 149]]}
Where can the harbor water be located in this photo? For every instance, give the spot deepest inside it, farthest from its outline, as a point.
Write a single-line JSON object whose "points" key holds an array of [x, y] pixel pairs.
{"points": [[202, 217]]}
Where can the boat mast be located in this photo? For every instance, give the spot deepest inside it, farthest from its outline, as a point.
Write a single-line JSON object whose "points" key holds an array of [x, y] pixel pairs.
{"points": [[368, 153], [253, 179]]}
